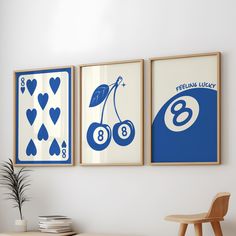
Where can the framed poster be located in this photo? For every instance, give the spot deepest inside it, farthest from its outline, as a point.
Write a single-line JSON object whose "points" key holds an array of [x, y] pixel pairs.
{"points": [[186, 109], [44, 116], [111, 113]]}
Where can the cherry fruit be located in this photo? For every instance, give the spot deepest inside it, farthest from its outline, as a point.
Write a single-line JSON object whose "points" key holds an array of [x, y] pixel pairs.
{"points": [[124, 132], [98, 136]]}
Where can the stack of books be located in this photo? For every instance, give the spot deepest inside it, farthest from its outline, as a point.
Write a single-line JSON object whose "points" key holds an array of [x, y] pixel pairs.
{"points": [[55, 224]]}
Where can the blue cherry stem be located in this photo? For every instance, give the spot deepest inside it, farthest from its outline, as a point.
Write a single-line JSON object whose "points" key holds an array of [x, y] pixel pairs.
{"points": [[114, 86], [114, 102], [103, 108]]}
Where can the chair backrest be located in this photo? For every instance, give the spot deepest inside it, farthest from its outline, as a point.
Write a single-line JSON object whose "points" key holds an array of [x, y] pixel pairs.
{"points": [[219, 206]]}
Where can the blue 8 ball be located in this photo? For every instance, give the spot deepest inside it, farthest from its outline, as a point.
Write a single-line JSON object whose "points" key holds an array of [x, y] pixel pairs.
{"points": [[98, 136], [124, 132]]}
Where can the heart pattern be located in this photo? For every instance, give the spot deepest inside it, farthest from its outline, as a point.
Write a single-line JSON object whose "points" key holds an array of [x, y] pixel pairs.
{"points": [[31, 115], [54, 148], [31, 86], [31, 148], [54, 84], [43, 99], [43, 133], [22, 89], [54, 114]]}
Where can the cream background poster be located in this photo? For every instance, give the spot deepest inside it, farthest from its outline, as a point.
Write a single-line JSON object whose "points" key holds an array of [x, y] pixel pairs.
{"points": [[128, 99]]}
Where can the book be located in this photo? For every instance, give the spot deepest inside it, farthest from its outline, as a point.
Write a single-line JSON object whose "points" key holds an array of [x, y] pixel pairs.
{"points": [[43, 226], [52, 217], [55, 230], [55, 220], [60, 234], [55, 224]]}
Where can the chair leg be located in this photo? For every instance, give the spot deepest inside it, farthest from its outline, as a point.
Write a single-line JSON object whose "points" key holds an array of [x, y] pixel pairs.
{"points": [[182, 229], [198, 229], [217, 229]]}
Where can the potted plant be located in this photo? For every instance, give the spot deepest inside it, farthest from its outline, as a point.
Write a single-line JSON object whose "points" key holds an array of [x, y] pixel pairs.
{"points": [[16, 183]]}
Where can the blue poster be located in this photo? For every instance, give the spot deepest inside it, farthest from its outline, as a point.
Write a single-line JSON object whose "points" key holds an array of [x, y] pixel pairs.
{"points": [[44, 117], [185, 119]]}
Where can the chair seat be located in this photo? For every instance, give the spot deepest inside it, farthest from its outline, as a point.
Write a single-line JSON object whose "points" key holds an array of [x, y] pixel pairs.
{"points": [[192, 219]]}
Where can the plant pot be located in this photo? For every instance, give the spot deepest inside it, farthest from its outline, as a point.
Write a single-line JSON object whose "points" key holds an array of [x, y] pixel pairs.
{"points": [[20, 225]]}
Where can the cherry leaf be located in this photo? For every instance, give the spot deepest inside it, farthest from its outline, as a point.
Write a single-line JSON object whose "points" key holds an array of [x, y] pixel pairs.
{"points": [[99, 94]]}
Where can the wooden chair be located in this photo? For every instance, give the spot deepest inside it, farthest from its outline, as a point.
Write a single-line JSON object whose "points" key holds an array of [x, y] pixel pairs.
{"points": [[216, 213]]}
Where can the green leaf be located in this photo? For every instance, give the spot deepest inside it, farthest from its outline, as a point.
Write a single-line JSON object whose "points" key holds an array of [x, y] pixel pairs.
{"points": [[15, 182]]}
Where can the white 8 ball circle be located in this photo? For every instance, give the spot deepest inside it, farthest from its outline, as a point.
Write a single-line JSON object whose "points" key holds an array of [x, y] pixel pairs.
{"points": [[181, 113]]}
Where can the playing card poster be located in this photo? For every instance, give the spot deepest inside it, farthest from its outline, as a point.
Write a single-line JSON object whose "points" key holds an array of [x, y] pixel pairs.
{"points": [[112, 113], [185, 109], [44, 117]]}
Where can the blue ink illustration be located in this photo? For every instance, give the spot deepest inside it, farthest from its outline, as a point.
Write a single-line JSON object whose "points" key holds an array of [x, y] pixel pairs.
{"points": [[54, 114], [31, 115], [179, 111], [31, 86], [43, 100], [99, 95], [22, 89], [43, 133], [54, 84], [22, 85], [54, 148], [40, 98], [63, 146], [185, 128], [31, 148], [99, 134]]}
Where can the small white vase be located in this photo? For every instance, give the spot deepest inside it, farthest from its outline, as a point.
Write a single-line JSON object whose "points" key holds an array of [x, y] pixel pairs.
{"points": [[20, 225]]}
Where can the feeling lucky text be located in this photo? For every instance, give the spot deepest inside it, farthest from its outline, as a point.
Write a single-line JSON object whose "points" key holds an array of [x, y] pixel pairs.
{"points": [[195, 85]]}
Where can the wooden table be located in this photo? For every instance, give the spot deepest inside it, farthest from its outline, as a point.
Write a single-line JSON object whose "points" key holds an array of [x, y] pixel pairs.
{"points": [[33, 233], [37, 233]]}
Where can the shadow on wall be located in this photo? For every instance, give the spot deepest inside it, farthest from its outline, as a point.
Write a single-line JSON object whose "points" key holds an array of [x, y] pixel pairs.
{"points": [[228, 226]]}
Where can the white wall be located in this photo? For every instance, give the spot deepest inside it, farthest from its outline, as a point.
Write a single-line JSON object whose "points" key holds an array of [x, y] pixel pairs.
{"points": [[131, 200]]}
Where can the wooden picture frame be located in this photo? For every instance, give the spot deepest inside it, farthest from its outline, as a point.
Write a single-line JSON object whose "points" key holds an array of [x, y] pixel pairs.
{"points": [[44, 112], [175, 76], [105, 78]]}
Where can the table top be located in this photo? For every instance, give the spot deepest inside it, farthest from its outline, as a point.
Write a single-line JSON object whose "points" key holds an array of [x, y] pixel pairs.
{"points": [[37, 233], [34, 233]]}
